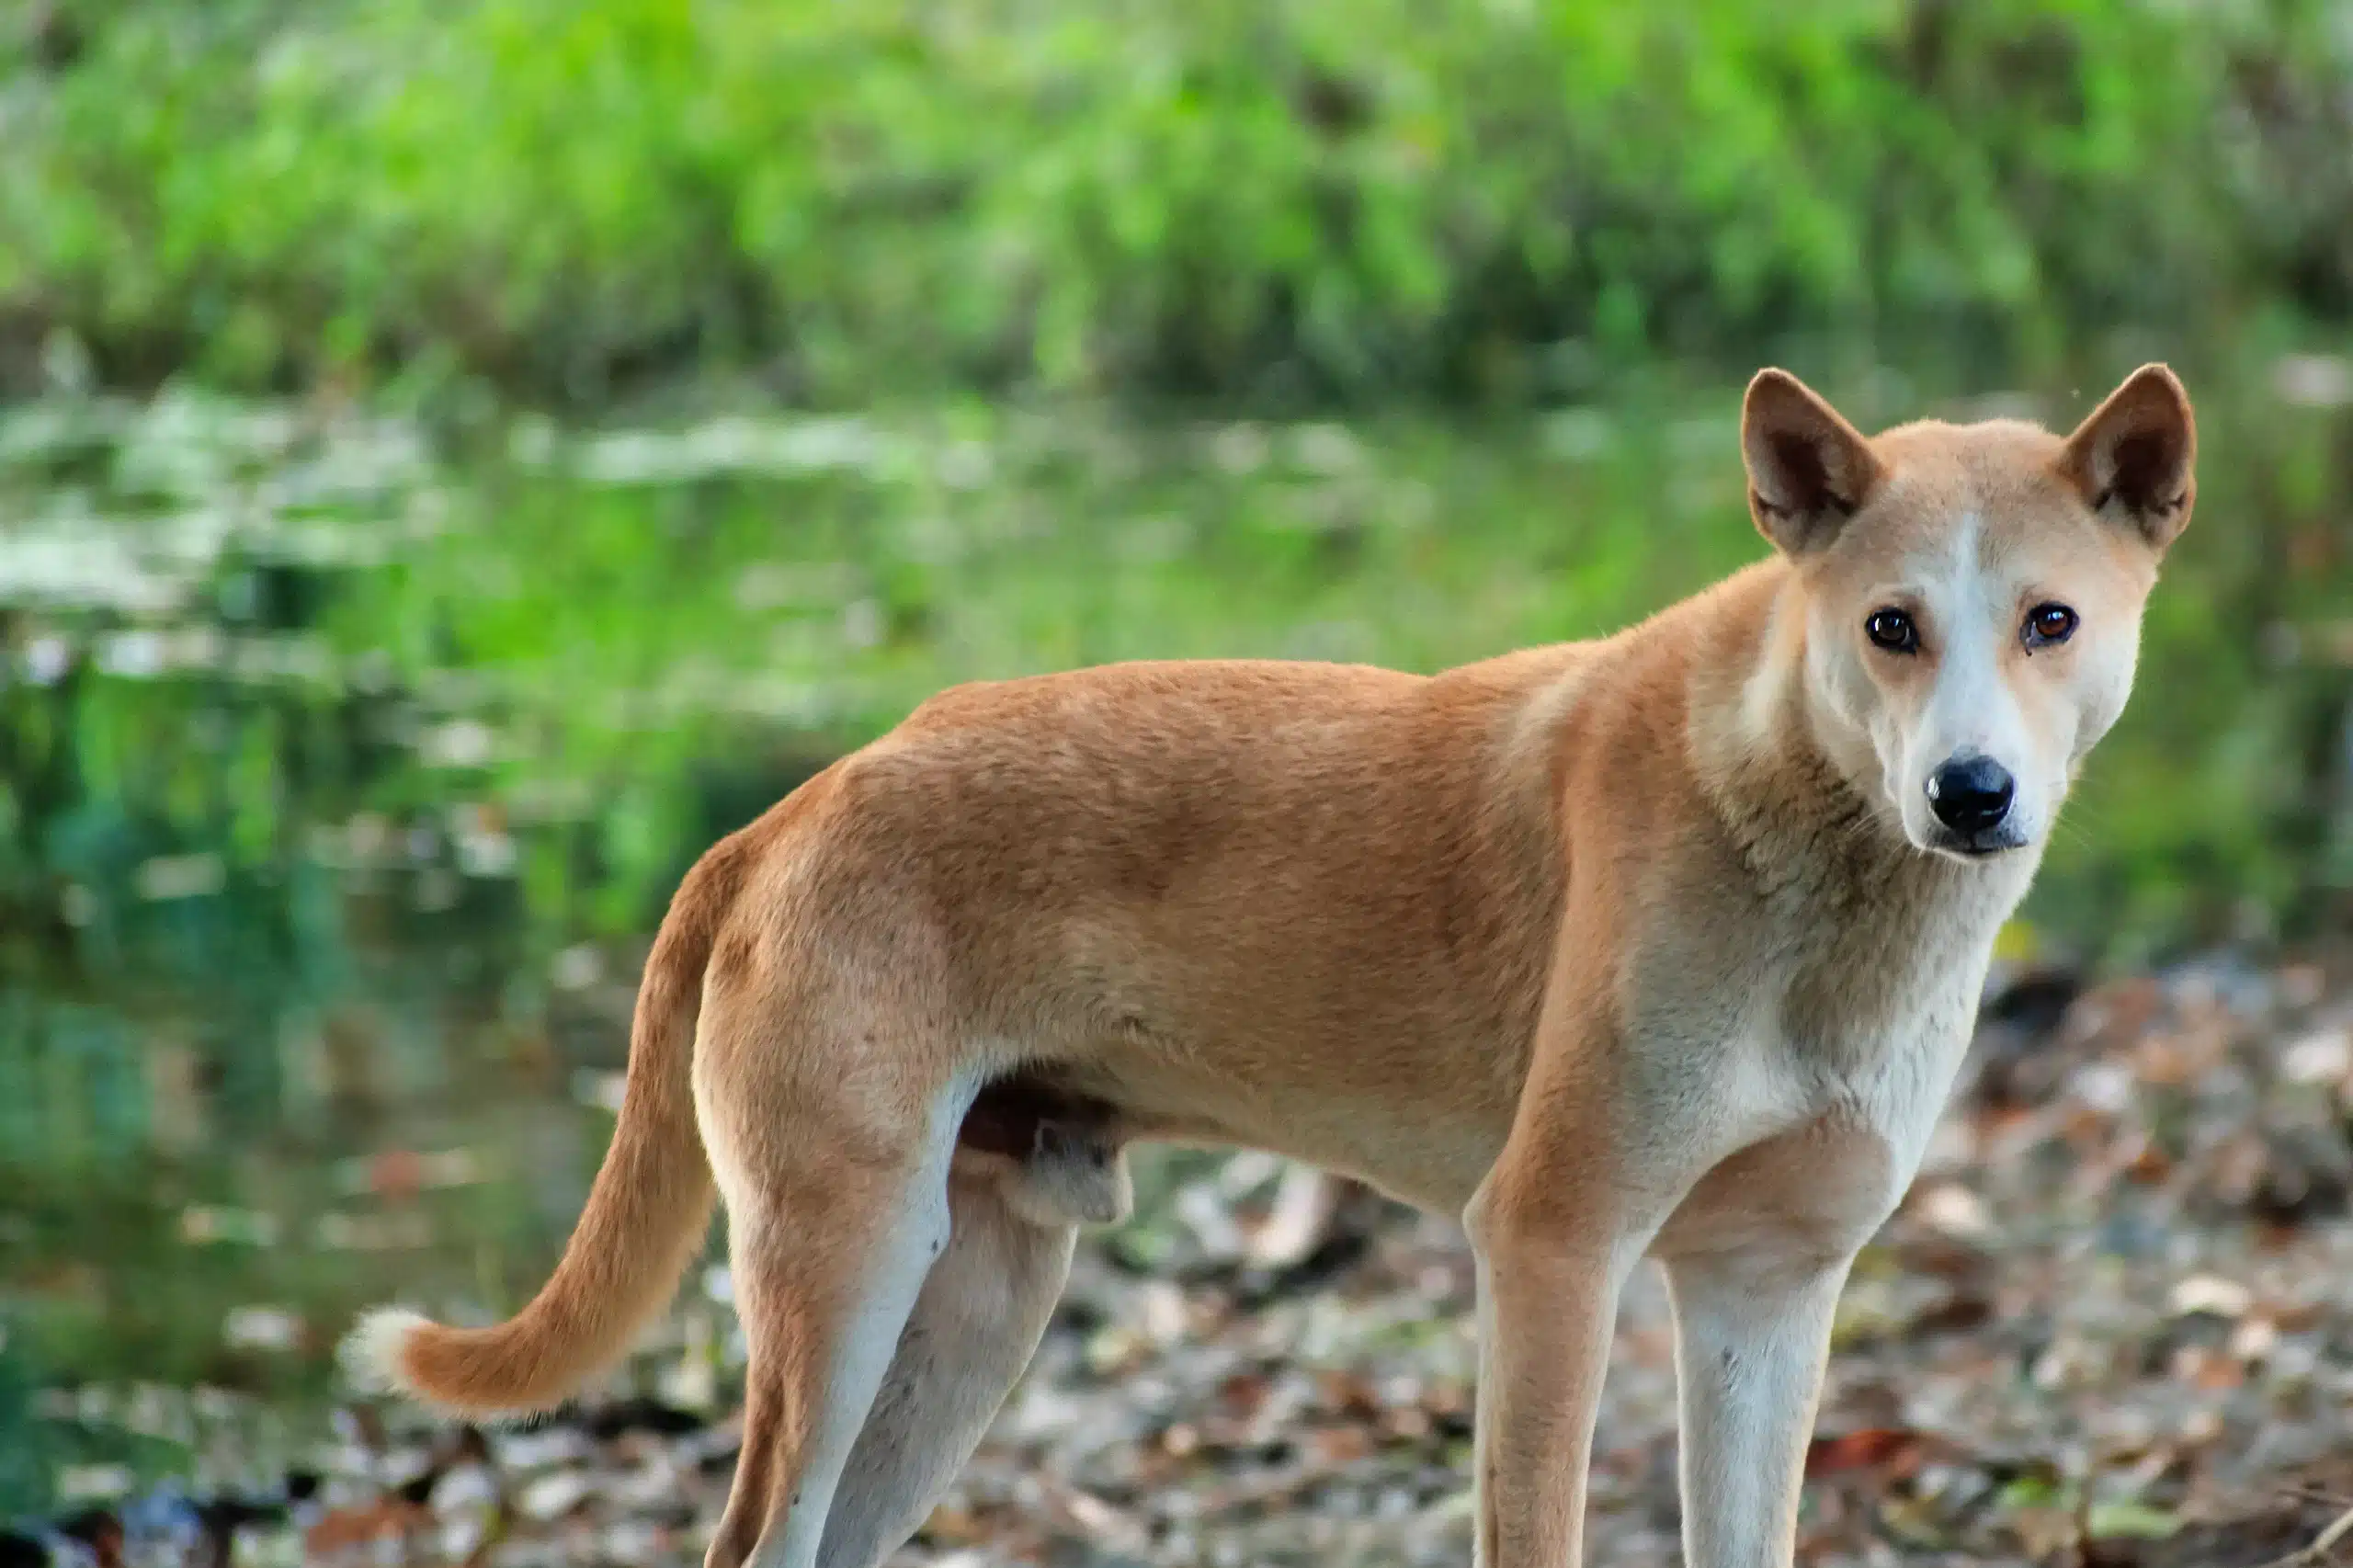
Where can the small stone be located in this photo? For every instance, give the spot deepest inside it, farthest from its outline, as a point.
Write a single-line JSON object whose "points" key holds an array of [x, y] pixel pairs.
{"points": [[2212, 1295]]}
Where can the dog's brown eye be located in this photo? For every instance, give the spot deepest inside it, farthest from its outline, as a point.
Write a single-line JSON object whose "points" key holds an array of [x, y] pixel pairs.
{"points": [[1892, 630], [2046, 624]]}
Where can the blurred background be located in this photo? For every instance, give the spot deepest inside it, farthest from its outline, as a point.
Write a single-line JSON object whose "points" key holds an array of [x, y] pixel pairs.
{"points": [[458, 459]]}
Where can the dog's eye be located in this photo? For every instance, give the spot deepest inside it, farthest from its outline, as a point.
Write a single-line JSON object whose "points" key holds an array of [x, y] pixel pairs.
{"points": [[2047, 624], [1892, 630]]}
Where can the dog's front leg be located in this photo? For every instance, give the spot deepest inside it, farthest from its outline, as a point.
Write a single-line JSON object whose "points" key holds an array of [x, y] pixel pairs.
{"points": [[1752, 1337], [1553, 1254]]}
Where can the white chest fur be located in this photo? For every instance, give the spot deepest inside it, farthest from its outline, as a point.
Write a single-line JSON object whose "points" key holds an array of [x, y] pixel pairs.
{"points": [[1789, 1068]]}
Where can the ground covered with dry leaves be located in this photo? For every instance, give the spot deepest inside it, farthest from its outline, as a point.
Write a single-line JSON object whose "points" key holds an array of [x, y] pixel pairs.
{"points": [[2111, 1327]]}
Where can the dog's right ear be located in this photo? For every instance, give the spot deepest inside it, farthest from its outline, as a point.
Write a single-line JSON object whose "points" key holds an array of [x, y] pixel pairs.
{"points": [[1809, 470]]}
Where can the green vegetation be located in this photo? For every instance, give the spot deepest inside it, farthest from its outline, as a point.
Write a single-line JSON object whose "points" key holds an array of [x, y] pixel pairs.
{"points": [[1315, 196], [620, 644]]}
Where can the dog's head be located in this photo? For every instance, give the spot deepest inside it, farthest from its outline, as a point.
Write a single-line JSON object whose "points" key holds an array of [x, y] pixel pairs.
{"points": [[1973, 593]]}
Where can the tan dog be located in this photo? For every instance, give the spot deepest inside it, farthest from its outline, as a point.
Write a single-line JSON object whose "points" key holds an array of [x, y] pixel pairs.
{"points": [[1664, 944]]}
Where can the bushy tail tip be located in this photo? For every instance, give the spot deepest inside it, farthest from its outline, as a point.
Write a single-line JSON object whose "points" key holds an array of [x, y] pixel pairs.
{"points": [[374, 1354]]}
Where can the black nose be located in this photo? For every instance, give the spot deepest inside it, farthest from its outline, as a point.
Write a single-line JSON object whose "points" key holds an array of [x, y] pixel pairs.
{"points": [[1971, 795]]}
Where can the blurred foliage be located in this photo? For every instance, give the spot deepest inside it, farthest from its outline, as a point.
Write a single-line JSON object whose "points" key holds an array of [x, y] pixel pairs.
{"points": [[1309, 197], [562, 660]]}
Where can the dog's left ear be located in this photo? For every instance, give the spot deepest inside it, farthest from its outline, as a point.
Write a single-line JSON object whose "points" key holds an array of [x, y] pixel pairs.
{"points": [[2133, 458], [1809, 470]]}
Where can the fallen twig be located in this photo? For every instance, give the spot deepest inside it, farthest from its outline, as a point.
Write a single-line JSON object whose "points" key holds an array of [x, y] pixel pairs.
{"points": [[2316, 1553]]}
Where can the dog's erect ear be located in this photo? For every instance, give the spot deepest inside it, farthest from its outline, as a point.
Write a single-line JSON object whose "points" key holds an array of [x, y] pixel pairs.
{"points": [[1809, 470], [2133, 458]]}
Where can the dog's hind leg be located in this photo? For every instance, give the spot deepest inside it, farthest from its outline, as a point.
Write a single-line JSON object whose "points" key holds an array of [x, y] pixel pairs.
{"points": [[836, 1183], [974, 1328]]}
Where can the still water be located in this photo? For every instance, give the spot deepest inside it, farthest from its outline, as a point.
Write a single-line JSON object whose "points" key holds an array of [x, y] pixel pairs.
{"points": [[344, 768]]}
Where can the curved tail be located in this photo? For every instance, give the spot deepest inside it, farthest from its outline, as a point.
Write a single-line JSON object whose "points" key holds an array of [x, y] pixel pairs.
{"points": [[645, 1219]]}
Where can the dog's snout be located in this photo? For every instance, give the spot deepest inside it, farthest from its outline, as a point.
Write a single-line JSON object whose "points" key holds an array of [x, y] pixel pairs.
{"points": [[1971, 794]]}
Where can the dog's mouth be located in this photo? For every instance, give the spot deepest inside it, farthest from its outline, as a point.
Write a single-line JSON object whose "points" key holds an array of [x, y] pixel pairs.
{"points": [[1985, 844]]}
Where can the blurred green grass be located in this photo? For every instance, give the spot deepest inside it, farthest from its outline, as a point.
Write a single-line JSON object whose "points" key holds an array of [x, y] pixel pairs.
{"points": [[1313, 198]]}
